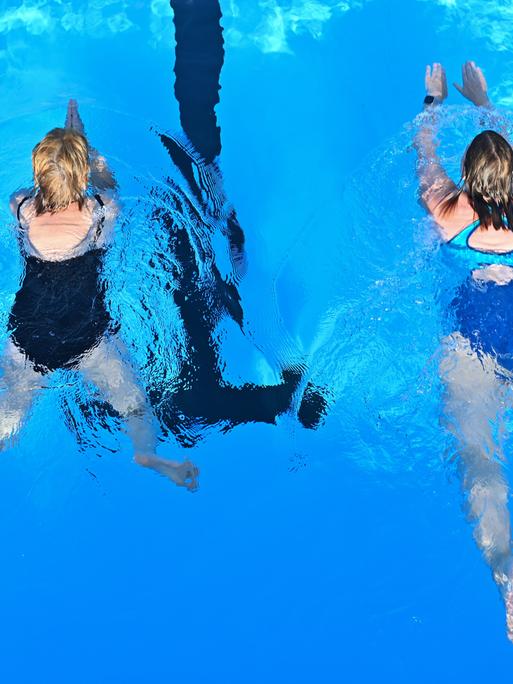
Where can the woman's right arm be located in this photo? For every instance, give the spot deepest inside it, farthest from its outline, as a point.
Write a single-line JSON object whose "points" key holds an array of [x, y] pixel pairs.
{"points": [[475, 89], [101, 177], [474, 86]]}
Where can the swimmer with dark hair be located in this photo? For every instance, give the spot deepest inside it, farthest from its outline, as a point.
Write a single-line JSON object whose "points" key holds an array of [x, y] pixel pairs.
{"points": [[475, 221]]}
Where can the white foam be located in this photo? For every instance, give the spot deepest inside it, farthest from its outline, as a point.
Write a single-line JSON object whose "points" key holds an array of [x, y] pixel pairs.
{"points": [[266, 24], [271, 23], [489, 20], [47, 16], [34, 19]]}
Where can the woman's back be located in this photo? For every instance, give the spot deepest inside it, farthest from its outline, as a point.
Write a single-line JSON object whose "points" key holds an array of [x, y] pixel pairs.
{"points": [[462, 221], [63, 234], [59, 311]]}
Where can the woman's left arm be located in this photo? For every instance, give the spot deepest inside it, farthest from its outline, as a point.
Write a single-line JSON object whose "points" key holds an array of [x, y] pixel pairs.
{"points": [[434, 181]]}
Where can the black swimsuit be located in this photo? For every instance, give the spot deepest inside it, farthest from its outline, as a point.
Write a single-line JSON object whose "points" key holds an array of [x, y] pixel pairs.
{"points": [[60, 311]]}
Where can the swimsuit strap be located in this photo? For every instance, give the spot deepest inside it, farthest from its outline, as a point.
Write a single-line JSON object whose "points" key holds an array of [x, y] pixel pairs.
{"points": [[19, 207], [461, 239], [99, 226]]}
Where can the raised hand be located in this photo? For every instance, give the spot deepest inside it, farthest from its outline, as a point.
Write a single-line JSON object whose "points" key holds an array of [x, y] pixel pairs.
{"points": [[73, 119], [436, 81], [474, 86]]}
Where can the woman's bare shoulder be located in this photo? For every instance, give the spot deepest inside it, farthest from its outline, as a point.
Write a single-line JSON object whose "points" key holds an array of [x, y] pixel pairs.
{"points": [[17, 198], [455, 221], [108, 203]]}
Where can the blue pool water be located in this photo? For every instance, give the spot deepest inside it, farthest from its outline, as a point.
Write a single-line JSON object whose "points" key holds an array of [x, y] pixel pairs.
{"points": [[334, 554]]}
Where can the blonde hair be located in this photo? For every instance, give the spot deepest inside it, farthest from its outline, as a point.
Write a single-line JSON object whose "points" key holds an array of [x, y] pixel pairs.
{"points": [[61, 169], [487, 180]]}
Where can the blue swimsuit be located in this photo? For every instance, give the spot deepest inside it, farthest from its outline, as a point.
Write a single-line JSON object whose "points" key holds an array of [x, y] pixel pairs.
{"points": [[475, 257], [483, 310]]}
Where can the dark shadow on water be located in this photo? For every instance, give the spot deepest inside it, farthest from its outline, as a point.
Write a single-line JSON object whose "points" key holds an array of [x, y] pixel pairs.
{"points": [[200, 397], [199, 57], [191, 213]]}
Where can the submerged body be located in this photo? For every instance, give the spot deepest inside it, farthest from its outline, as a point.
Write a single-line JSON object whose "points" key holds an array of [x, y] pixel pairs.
{"points": [[475, 221], [482, 309], [60, 318]]}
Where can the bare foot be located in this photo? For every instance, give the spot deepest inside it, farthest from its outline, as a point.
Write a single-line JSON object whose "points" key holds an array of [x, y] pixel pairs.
{"points": [[182, 474]]}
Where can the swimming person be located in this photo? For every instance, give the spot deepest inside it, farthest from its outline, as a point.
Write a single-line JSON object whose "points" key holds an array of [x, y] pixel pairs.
{"points": [[60, 319], [475, 220]]}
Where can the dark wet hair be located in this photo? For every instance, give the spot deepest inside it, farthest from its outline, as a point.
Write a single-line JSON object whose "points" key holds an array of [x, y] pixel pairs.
{"points": [[487, 180]]}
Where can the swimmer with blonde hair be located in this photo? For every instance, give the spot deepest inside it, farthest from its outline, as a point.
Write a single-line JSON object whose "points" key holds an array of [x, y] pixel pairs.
{"points": [[60, 317]]}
